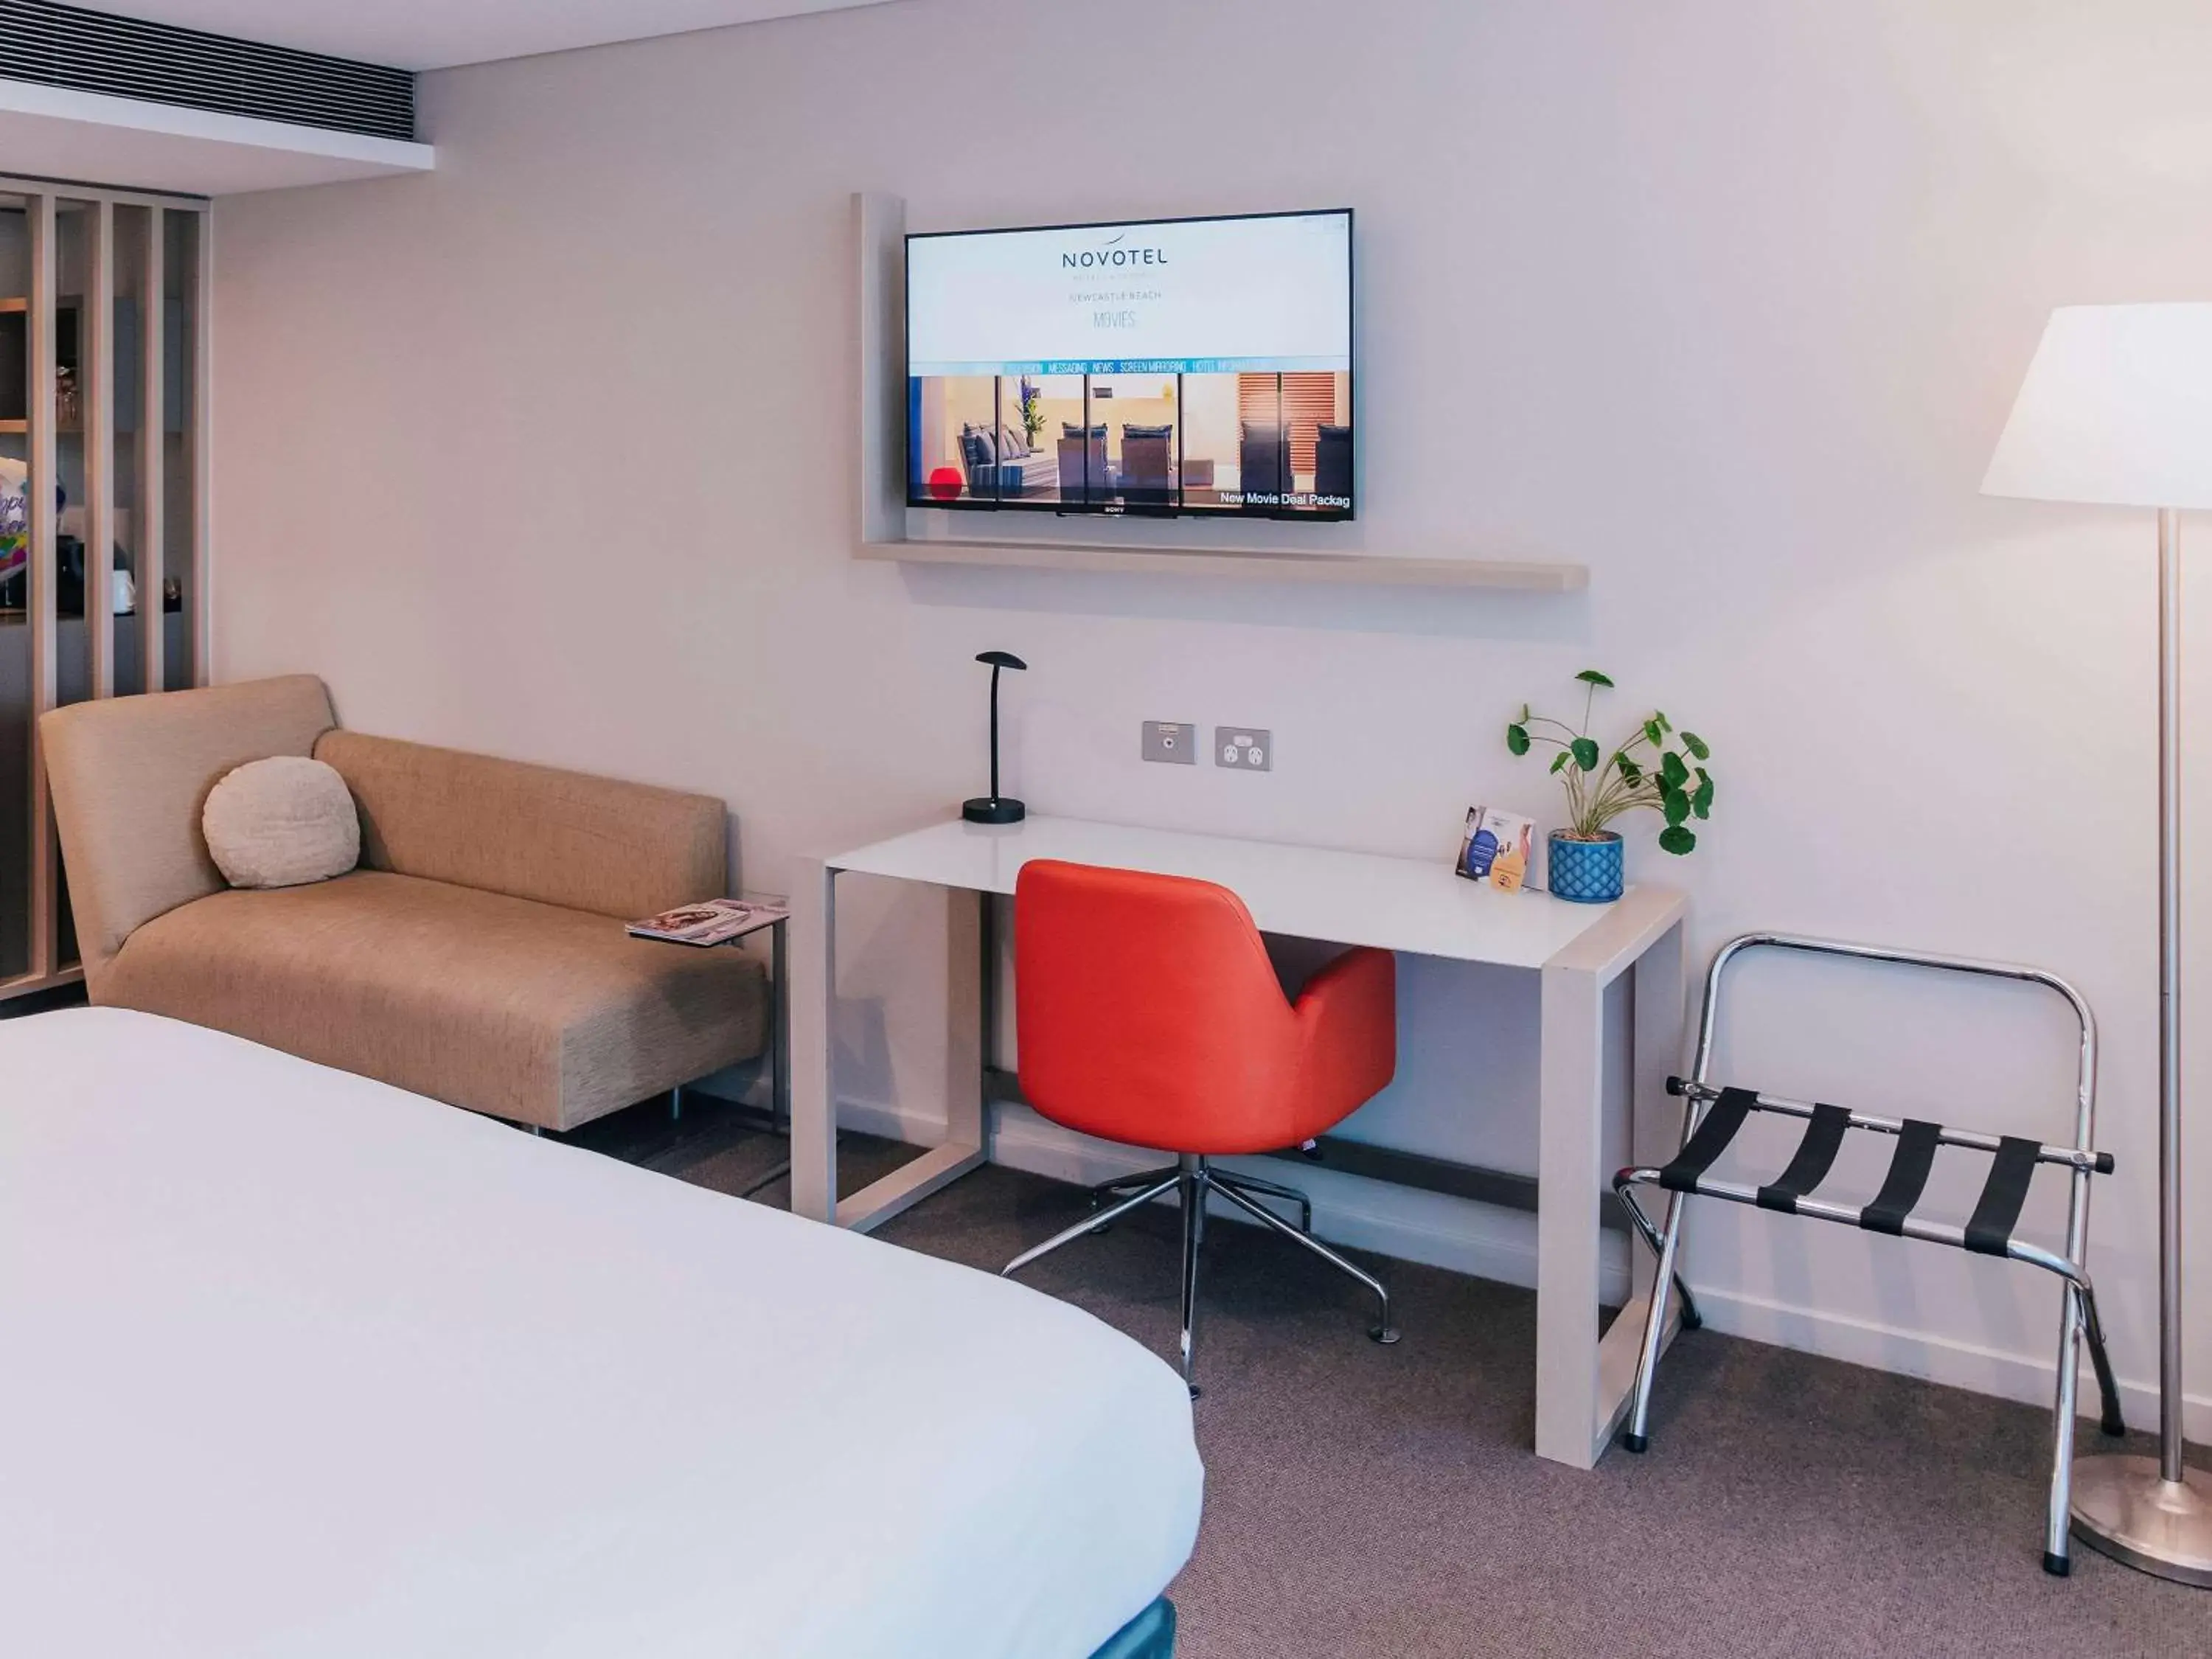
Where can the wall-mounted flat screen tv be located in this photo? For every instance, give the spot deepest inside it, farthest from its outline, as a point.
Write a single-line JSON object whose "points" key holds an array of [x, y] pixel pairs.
{"points": [[1163, 366]]}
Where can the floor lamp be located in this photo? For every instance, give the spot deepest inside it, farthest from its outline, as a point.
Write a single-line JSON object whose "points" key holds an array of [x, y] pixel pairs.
{"points": [[2116, 409]]}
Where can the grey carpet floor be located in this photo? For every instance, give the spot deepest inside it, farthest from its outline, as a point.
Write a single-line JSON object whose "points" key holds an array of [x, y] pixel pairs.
{"points": [[1368, 1501]]}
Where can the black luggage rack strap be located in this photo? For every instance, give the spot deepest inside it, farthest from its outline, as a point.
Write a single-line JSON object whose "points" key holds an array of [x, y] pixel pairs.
{"points": [[1988, 1231], [1996, 1214]]}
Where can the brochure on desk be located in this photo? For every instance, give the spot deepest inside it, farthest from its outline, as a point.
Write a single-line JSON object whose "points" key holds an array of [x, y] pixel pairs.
{"points": [[710, 921]]}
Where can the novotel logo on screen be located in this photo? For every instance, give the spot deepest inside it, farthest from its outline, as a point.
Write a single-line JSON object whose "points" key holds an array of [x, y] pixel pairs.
{"points": [[1110, 254]]}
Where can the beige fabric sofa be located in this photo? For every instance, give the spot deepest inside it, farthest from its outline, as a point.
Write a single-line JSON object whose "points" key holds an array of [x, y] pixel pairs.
{"points": [[478, 956]]}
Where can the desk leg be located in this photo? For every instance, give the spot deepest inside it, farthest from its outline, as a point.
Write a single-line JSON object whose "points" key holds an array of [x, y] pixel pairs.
{"points": [[779, 1014], [964, 1149], [812, 1002], [1571, 1106], [1583, 1383], [970, 995]]}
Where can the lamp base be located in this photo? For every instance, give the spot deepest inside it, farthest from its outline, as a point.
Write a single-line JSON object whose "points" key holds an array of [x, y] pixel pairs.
{"points": [[2124, 1508], [992, 808]]}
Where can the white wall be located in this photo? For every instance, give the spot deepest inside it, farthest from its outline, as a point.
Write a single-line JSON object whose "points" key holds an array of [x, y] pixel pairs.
{"points": [[550, 454]]}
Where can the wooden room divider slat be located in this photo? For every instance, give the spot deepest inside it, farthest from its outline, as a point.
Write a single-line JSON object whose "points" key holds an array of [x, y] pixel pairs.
{"points": [[80, 303]]}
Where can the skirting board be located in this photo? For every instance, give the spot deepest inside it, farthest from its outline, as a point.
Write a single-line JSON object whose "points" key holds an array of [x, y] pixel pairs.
{"points": [[1490, 1243], [1429, 1228], [1373, 570], [2024, 1377]]}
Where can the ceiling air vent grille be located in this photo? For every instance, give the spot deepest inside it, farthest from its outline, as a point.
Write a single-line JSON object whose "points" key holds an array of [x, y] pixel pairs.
{"points": [[92, 52]]}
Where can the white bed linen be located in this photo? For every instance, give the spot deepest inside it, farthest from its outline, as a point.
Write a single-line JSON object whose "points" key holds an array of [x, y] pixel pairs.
{"points": [[297, 1364]]}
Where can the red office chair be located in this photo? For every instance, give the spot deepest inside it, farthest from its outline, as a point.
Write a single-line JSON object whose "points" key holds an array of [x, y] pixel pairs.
{"points": [[1147, 1012]]}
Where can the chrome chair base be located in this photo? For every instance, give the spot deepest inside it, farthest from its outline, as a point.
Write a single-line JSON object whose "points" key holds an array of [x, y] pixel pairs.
{"points": [[1106, 1191], [1193, 1180]]}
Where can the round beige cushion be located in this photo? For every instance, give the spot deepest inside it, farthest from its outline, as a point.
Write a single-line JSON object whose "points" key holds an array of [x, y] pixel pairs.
{"points": [[281, 823]]}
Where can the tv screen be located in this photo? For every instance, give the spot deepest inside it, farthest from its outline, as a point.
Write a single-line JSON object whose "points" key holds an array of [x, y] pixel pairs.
{"points": [[1163, 366]]}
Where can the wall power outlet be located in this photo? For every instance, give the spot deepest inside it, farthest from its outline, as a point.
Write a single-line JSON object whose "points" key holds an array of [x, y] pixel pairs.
{"points": [[1246, 748], [1174, 742]]}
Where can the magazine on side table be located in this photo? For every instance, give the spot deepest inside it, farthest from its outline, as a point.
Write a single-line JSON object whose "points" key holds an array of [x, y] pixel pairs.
{"points": [[710, 921]]}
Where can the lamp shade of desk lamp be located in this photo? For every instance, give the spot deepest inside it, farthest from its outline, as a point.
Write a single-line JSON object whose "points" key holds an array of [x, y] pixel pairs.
{"points": [[2116, 409]]}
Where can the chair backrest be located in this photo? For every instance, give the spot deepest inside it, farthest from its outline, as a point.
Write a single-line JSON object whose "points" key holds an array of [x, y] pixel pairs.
{"points": [[532, 832], [1146, 1010], [1262, 460], [1332, 460], [1146, 454], [1083, 465], [975, 454], [130, 775]]}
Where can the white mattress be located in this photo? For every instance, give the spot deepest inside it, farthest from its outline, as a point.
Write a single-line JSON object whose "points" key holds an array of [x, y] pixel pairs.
{"points": [[293, 1363]]}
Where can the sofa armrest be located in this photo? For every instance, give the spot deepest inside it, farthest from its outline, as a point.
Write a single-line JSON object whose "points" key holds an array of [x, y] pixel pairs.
{"points": [[130, 775], [533, 832]]}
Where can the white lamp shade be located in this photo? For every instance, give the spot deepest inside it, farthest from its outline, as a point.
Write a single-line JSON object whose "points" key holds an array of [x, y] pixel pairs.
{"points": [[2116, 407]]}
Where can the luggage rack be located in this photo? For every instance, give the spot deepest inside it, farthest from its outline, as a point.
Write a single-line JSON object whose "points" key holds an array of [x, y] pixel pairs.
{"points": [[1715, 1115]]}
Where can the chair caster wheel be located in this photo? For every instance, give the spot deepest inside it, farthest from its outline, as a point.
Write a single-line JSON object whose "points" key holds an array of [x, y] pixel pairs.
{"points": [[1693, 1321], [1194, 1389], [2056, 1566], [1385, 1334], [1636, 1443]]}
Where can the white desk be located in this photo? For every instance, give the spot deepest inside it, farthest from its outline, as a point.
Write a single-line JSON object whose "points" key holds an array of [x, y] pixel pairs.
{"points": [[1583, 1377]]}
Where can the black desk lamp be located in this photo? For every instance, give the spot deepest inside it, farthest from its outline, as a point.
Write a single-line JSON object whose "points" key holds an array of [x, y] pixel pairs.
{"points": [[994, 808]]}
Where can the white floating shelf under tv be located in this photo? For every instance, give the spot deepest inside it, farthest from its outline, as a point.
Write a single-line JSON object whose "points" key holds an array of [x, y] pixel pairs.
{"points": [[879, 229], [1249, 563]]}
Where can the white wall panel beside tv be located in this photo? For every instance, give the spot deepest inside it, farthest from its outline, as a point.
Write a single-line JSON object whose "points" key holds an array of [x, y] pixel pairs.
{"points": [[1198, 373]]}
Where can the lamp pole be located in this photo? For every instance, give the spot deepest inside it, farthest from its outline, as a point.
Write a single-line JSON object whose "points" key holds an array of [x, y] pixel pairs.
{"points": [[2146, 1512], [2169, 993], [995, 670]]}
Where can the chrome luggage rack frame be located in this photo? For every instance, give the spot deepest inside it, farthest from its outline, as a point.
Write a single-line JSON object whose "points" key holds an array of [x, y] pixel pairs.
{"points": [[1714, 1114]]}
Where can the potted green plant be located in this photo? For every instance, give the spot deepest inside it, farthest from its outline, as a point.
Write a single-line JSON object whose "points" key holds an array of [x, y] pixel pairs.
{"points": [[1585, 856], [1029, 407]]}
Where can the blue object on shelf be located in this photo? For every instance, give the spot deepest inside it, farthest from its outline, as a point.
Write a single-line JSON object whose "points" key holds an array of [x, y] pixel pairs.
{"points": [[1585, 871]]}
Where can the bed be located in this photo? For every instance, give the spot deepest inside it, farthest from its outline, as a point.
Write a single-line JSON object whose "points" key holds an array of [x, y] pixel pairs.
{"points": [[293, 1363]]}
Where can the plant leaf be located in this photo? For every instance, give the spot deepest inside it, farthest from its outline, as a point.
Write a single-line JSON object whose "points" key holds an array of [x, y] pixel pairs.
{"points": [[1677, 839], [1696, 745], [1672, 772], [1591, 677], [1516, 739], [1560, 759], [1629, 768], [1675, 805], [1701, 799], [1584, 751], [1653, 732]]}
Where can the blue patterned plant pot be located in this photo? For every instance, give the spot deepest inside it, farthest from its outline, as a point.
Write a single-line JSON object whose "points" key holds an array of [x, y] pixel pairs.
{"points": [[1586, 872]]}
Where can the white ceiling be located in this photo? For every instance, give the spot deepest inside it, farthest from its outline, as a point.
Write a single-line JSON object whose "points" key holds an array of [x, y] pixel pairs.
{"points": [[422, 34]]}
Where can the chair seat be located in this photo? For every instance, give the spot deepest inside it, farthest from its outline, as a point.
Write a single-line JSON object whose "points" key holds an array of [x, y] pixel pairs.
{"points": [[525, 1011]]}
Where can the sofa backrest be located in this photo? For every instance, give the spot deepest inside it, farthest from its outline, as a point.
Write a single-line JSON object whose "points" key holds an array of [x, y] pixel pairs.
{"points": [[128, 777], [533, 832]]}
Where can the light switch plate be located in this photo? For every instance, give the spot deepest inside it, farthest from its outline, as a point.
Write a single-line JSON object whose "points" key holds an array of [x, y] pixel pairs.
{"points": [[1174, 742], [1246, 748]]}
